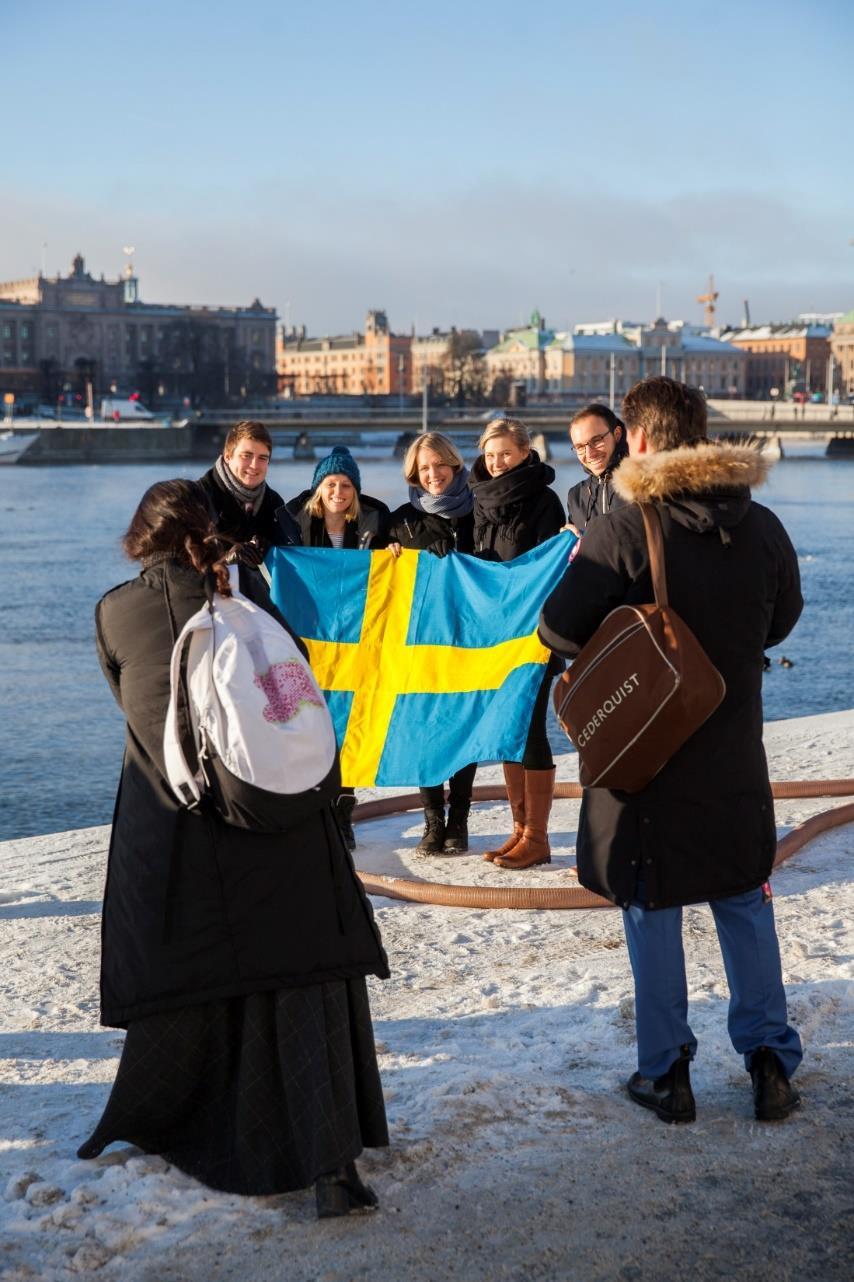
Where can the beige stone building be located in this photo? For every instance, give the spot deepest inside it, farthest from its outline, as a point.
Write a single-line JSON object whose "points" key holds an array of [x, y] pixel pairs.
{"points": [[580, 363], [520, 357], [681, 351], [376, 363], [449, 360], [59, 334], [842, 348]]}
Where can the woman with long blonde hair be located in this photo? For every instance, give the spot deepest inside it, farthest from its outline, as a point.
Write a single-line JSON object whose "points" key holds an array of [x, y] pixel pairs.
{"points": [[438, 518], [515, 510]]}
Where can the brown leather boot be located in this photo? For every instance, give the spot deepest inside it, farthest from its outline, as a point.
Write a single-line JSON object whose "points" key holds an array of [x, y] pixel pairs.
{"points": [[533, 846], [514, 779]]}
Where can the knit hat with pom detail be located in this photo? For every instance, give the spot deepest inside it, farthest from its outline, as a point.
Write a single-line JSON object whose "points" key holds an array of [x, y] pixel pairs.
{"points": [[339, 463]]}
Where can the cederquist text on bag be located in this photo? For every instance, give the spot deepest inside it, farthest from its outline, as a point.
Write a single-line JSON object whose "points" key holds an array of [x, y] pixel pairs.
{"points": [[602, 713]]}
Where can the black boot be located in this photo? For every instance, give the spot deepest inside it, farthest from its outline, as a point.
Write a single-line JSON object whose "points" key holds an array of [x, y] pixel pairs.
{"points": [[457, 828], [344, 805], [670, 1096], [433, 841], [342, 1191], [774, 1096]]}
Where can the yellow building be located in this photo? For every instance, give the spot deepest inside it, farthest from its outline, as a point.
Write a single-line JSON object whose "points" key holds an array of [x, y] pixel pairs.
{"points": [[376, 363]]}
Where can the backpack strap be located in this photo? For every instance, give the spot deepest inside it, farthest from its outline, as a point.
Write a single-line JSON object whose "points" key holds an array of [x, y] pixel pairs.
{"points": [[655, 547], [183, 782]]}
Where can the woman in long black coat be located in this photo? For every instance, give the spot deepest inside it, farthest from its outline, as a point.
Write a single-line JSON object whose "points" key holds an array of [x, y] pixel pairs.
{"points": [[236, 960], [514, 511], [438, 518]]}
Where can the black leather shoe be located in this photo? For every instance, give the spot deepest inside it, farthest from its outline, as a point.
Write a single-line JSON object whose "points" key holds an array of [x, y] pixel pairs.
{"points": [[433, 841], [774, 1096], [342, 1191], [457, 829], [670, 1096]]}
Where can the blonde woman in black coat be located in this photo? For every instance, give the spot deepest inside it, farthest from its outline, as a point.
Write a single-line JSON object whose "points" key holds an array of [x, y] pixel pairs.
{"points": [[438, 519], [236, 960], [515, 510]]}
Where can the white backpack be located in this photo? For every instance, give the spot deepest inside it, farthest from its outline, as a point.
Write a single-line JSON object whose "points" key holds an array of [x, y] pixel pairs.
{"points": [[264, 738]]}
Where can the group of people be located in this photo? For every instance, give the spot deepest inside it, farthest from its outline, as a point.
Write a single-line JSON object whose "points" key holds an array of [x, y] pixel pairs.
{"points": [[500, 509], [237, 960]]}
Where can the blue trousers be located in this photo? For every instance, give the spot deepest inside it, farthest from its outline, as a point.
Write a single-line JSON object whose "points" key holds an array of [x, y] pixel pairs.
{"points": [[751, 955]]}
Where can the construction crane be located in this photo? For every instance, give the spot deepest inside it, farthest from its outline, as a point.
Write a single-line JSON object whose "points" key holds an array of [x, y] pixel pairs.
{"points": [[709, 299]]}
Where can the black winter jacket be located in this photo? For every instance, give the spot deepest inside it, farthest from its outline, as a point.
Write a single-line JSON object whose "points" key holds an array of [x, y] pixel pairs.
{"points": [[425, 531], [195, 910], [515, 511], [595, 495], [369, 530], [704, 827], [231, 519]]}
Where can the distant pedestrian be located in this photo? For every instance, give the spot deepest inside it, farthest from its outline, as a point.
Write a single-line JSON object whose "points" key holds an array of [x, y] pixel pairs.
{"points": [[438, 518], [703, 830], [235, 959], [515, 510], [598, 438], [242, 504], [334, 513]]}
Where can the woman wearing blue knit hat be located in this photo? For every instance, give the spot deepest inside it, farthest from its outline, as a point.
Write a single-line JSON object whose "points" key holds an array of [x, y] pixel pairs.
{"points": [[335, 513]]}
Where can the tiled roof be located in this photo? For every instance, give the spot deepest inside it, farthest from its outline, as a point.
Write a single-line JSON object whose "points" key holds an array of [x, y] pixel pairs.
{"points": [[535, 339], [777, 331]]}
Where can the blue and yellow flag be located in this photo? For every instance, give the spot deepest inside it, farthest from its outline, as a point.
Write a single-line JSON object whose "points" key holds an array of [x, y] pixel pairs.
{"points": [[427, 663]]}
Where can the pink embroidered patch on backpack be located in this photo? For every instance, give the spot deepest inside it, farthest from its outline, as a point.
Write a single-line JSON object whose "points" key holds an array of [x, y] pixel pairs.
{"points": [[287, 686]]}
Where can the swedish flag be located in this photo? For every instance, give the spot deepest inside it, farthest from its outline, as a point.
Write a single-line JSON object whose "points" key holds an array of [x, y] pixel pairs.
{"points": [[427, 663]]}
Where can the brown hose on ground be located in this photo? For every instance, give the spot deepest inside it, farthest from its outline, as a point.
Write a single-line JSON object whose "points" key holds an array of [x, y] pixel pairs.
{"points": [[453, 896]]}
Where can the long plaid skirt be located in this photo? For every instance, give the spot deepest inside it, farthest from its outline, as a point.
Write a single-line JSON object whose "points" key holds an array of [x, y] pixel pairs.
{"points": [[255, 1095]]}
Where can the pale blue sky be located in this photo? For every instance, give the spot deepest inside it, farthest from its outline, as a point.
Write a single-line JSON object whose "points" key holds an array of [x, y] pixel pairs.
{"points": [[452, 162]]}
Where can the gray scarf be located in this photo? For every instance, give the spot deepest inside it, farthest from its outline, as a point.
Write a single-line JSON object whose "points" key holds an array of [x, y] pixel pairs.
{"points": [[249, 500], [456, 500]]}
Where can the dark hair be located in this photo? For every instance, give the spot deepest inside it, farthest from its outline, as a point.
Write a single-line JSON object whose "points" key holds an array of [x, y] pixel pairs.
{"points": [[670, 413], [249, 428], [597, 410], [173, 519]]}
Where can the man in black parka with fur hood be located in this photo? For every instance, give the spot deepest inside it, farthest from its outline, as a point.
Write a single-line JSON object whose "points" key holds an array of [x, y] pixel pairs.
{"points": [[703, 830]]}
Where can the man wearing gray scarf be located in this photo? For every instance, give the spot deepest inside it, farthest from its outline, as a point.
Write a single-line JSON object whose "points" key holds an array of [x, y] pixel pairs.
{"points": [[242, 504]]}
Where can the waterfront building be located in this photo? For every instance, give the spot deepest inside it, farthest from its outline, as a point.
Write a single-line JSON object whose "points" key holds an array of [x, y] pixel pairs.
{"points": [[790, 358], [581, 363], [451, 362], [63, 334], [842, 349], [520, 357], [376, 363]]}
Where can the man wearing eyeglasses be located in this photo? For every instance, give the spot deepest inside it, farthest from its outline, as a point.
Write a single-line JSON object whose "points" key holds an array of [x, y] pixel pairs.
{"points": [[599, 440]]}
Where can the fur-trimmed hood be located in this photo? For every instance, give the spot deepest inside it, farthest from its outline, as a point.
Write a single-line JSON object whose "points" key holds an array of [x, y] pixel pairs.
{"points": [[690, 470]]}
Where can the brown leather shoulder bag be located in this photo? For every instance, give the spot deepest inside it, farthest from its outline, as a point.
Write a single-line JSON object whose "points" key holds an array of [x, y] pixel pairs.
{"points": [[640, 687]]}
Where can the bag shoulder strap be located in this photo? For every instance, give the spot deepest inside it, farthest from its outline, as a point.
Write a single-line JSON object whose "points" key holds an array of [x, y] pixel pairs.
{"points": [[655, 547], [183, 781]]}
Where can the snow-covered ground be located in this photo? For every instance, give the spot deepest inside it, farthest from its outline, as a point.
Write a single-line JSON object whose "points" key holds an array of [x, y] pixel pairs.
{"points": [[505, 1038]]}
